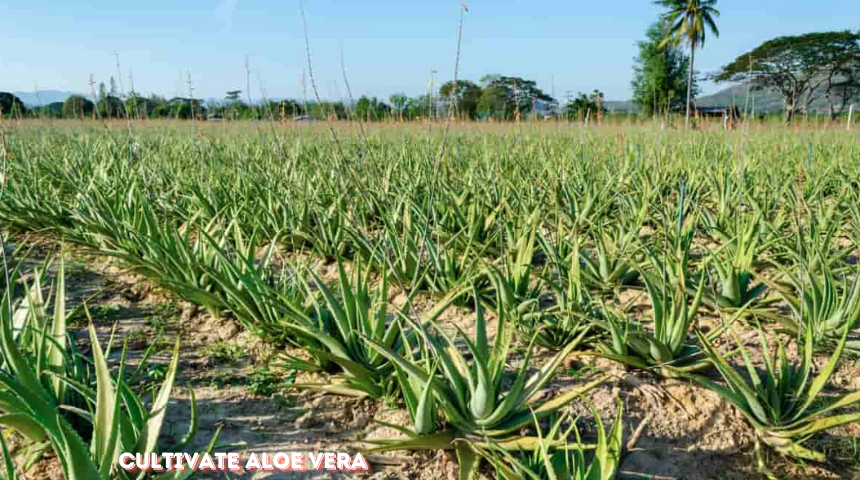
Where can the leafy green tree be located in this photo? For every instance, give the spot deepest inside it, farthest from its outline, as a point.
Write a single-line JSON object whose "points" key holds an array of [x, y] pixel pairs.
{"points": [[690, 21], [325, 110], [467, 95], [399, 102], [363, 107], [287, 108], [338, 109], [383, 110], [234, 108], [660, 73], [12, 106], [368, 109], [51, 110], [290, 108], [186, 108], [77, 106], [111, 107], [182, 110], [142, 107], [503, 97], [800, 68], [419, 107], [103, 93], [161, 110], [578, 108], [155, 107], [494, 102], [584, 105], [843, 88]]}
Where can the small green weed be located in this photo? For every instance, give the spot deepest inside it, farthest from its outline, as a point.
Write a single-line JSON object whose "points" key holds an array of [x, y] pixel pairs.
{"points": [[223, 352]]}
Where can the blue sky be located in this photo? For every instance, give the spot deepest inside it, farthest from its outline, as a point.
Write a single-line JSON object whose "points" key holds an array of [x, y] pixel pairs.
{"points": [[388, 46]]}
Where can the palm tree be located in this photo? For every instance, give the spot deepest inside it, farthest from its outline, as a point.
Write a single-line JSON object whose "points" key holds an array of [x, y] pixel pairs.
{"points": [[688, 19]]}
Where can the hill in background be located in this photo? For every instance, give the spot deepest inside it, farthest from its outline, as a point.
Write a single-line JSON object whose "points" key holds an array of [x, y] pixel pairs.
{"points": [[767, 101]]}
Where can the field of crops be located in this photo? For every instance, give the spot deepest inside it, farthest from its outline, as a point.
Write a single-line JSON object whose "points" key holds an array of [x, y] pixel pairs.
{"points": [[537, 301]]}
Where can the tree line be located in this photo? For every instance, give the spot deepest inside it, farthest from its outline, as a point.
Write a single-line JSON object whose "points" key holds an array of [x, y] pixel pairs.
{"points": [[495, 97], [802, 69]]}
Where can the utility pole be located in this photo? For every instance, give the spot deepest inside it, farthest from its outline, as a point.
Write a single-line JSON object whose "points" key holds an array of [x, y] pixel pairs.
{"points": [[305, 90], [248, 80], [133, 94], [191, 100], [119, 75], [432, 107], [36, 93], [95, 99], [569, 100]]}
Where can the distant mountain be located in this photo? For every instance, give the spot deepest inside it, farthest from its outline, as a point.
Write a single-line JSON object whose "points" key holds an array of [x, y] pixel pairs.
{"points": [[43, 97], [767, 101]]}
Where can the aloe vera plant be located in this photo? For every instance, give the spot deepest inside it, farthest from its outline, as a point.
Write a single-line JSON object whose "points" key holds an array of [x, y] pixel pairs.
{"points": [[328, 236], [519, 256], [176, 258], [827, 308], [451, 269], [35, 386], [728, 190], [340, 332], [41, 339], [27, 207], [112, 219], [284, 217], [612, 263], [251, 289], [567, 321], [9, 472], [334, 335], [470, 218], [557, 328], [674, 307], [583, 200], [555, 458], [418, 396], [784, 402], [398, 251], [665, 348], [816, 241], [470, 395], [517, 292], [735, 263]]}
